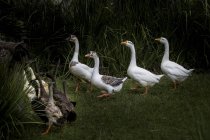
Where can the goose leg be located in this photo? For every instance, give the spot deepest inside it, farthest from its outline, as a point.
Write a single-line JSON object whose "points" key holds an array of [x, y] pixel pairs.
{"points": [[78, 86], [145, 91], [105, 94], [48, 129]]}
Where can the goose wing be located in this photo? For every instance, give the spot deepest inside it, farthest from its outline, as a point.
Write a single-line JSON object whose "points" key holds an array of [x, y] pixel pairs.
{"points": [[81, 65], [145, 75], [113, 81], [86, 67], [173, 68]]}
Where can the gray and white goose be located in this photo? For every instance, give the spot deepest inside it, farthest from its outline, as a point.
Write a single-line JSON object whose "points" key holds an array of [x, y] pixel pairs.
{"points": [[108, 83]]}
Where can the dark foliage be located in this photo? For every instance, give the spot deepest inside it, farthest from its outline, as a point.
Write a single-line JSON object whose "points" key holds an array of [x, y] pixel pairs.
{"points": [[100, 25]]}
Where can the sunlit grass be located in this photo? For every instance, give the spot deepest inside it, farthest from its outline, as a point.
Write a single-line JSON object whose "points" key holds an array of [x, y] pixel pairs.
{"points": [[163, 114]]}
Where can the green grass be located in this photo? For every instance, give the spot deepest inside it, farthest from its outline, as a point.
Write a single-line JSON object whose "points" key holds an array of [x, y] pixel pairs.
{"points": [[101, 25], [164, 114], [15, 108]]}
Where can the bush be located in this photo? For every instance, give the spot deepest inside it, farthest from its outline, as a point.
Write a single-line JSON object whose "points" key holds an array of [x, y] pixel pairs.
{"points": [[15, 108], [101, 25]]}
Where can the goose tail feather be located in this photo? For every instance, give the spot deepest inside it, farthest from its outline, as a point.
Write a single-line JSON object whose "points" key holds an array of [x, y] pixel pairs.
{"points": [[124, 79]]}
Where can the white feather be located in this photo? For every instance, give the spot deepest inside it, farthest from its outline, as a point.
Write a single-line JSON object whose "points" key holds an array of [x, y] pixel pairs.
{"points": [[142, 76], [174, 71]]}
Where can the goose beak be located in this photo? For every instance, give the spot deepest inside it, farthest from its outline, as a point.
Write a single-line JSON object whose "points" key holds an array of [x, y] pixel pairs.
{"points": [[124, 42], [157, 39], [87, 55]]}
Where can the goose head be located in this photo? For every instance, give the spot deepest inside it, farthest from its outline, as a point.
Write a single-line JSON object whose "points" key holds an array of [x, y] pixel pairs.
{"points": [[92, 54], [72, 38], [162, 40], [127, 43]]}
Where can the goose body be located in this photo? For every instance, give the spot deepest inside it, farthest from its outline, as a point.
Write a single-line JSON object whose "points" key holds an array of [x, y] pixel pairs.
{"points": [[66, 106], [80, 70], [44, 105], [142, 76], [53, 112], [108, 83], [76, 68], [174, 71]]}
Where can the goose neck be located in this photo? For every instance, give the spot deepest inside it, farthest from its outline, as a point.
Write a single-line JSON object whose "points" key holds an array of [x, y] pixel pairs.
{"points": [[96, 66], [166, 53], [133, 56], [50, 93], [76, 51]]}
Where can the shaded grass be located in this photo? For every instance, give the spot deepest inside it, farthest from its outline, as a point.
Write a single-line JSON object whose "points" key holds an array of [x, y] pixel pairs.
{"points": [[164, 114], [15, 110]]}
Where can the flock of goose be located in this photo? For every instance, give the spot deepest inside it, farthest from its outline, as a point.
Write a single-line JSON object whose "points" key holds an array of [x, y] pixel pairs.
{"points": [[54, 107], [50, 104], [109, 84]]}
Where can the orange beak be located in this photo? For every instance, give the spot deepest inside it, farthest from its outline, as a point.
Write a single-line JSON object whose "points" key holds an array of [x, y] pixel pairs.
{"points": [[124, 42], [87, 55], [157, 39]]}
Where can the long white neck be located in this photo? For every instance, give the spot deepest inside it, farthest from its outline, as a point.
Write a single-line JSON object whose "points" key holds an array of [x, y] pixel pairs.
{"points": [[133, 56], [96, 66], [76, 51], [166, 53], [32, 75]]}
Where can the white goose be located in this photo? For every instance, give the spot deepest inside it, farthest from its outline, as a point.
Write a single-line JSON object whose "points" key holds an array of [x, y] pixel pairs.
{"points": [[142, 76], [27, 87], [108, 83], [32, 78], [174, 71], [76, 68]]}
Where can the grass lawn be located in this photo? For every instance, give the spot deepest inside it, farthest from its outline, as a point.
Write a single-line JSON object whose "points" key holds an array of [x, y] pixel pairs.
{"points": [[164, 114]]}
